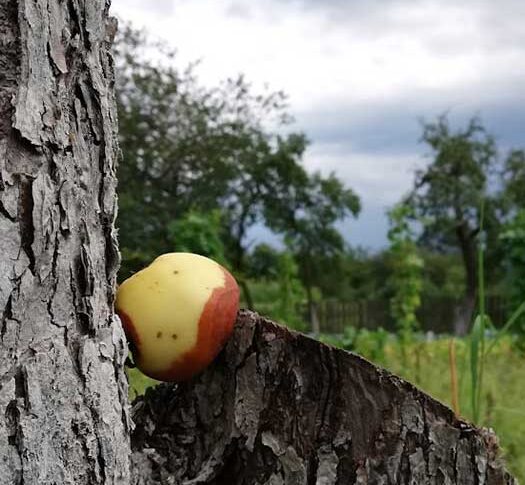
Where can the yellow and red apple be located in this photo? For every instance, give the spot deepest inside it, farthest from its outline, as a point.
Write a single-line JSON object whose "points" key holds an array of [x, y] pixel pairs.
{"points": [[177, 314]]}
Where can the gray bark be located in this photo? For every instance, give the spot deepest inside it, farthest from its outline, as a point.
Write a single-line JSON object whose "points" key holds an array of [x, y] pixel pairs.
{"points": [[63, 394], [280, 408]]}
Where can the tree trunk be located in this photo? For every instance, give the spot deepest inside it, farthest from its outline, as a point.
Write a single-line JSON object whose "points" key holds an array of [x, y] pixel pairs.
{"points": [[63, 394], [247, 293], [467, 242], [463, 313], [277, 407], [313, 317]]}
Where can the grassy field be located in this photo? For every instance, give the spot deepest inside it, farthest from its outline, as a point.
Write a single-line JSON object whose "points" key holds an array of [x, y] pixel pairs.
{"points": [[427, 365]]}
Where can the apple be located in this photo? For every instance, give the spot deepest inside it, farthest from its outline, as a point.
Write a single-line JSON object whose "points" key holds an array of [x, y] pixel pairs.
{"points": [[177, 314]]}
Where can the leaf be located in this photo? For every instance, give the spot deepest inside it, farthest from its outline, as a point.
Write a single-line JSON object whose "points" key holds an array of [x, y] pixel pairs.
{"points": [[475, 341]]}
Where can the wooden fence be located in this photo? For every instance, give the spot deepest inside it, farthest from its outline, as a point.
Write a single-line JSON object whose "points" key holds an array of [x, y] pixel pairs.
{"points": [[435, 314]]}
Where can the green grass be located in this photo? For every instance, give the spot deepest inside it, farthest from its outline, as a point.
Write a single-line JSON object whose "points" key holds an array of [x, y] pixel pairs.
{"points": [[138, 383]]}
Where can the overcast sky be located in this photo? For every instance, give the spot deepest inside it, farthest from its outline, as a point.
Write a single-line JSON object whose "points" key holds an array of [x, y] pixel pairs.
{"points": [[359, 75]]}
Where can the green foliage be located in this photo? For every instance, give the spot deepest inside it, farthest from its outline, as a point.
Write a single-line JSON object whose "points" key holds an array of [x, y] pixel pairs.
{"points": [[406, 278], [346, 341], [138, 382], [312, 235], [363, 276], [271, 300], [370, 344], [278, 291], [291, 292], [200, 233], [443, 275], [513, 239], [190, 149], [448, 192], [514, 180], [263, 262]]}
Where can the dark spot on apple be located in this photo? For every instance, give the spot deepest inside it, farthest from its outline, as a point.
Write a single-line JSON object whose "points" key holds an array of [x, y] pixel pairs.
{"points": [[159, 334], [175, 272], [174, 336]]}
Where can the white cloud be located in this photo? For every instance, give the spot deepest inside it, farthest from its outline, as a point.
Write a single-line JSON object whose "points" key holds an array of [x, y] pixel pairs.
{"points": [[322, 56], [358, 73], [379, 179], [143, 11], [394, 49]]}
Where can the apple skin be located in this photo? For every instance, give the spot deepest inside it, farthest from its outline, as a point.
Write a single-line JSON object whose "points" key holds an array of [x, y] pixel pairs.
{"points": [[177, 314]]}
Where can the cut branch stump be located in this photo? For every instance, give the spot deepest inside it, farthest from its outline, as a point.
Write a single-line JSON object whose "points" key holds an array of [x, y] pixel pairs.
{"points": [[278, 407]]}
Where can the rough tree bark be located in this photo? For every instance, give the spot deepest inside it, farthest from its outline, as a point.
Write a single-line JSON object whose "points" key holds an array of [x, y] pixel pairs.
{"points": [[63, 393], [280, 408]]}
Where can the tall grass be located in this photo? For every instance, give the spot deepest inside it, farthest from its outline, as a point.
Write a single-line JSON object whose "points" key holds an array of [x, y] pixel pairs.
{"points": [[478, 332], [479, 349], [454, 392]]}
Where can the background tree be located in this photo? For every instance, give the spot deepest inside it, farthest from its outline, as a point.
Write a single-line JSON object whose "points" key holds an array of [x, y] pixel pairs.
{"points": [[187, 148], [365, 274], [199, 233], [514, 181], [172, 141], [449, 193], [263, 262], [312, 235]]}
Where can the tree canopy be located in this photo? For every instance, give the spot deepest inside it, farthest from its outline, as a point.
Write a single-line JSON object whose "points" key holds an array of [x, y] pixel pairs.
{"points": [[466, 177], [191, 149]]}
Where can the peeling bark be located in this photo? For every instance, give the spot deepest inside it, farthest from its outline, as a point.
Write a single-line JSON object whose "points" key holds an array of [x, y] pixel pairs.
{"points": [[63, 394], [280, 408]]}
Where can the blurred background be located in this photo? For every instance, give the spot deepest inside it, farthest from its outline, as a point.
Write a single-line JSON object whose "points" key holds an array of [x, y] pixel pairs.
{"points": [[358, 166]]}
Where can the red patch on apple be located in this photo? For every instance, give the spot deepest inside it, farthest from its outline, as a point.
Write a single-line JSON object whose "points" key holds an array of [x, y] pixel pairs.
{"points": [[131, 334]]}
